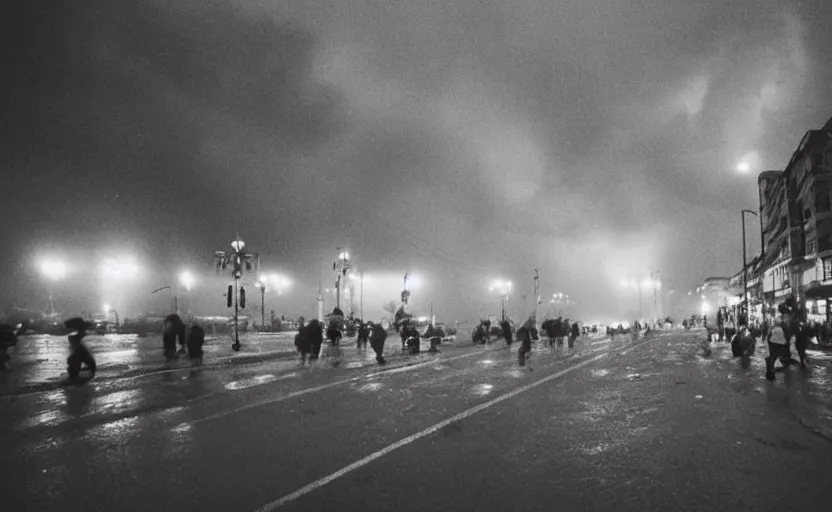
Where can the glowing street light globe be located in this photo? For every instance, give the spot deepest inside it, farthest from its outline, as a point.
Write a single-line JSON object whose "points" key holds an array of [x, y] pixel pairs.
{"points": [[187, 280], [52, 269], [106, 308]]}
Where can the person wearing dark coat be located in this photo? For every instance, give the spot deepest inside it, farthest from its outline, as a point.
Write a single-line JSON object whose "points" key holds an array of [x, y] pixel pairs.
{"points": [[8, 339], [174, 328], [303, 342], [363, 335], [377, 337], [315, 338], [525, 350], [196, 338], [505, 326], [80, 356]]}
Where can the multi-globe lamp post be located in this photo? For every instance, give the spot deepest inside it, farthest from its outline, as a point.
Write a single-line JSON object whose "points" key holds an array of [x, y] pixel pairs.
{"points": [[236, 295]]}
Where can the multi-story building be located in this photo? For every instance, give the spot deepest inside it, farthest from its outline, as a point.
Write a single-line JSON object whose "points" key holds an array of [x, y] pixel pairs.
{"points": [[796, 218]]}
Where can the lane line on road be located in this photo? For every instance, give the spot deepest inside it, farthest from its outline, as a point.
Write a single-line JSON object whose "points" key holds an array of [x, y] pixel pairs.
{"points": [[315, 389], [415, 437]]}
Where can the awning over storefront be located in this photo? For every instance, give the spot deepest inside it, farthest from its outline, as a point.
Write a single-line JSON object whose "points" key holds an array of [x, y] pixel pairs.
{"points": [[819, 291]]}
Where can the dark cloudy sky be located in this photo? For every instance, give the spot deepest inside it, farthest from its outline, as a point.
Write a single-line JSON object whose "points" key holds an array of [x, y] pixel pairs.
{"points": [[461, 140]]}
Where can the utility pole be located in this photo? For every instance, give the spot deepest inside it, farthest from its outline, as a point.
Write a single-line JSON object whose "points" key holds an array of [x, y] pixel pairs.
{"points": [[341, 266], [536, 295], [361, 300], [432, 319], [320, 304]]}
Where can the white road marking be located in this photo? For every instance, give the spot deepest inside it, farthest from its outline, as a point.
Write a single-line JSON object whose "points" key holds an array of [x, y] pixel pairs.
{"points": [[415, 437], [326, 386]]}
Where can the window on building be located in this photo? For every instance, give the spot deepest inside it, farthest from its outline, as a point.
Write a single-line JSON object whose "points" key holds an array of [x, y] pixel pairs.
{"points": [[827, 269], [811, 244]]}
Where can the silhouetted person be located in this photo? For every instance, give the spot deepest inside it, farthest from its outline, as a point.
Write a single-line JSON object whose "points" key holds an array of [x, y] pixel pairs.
{"points": [[377, 337], [8, 339], [79, 354], [363, 336], [525, 339], [174, 328], [505, 327], [196, 338], [315, 334]]}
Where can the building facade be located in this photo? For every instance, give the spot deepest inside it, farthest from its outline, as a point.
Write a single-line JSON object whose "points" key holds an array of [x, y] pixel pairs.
{"points": [[796, 224]]}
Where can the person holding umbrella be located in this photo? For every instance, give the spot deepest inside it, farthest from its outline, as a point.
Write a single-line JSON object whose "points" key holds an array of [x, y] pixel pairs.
{"points": [[80, 356]]}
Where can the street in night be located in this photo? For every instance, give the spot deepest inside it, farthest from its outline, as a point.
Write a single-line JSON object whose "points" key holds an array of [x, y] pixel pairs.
{"points": [[416, 256], [606, 425]]}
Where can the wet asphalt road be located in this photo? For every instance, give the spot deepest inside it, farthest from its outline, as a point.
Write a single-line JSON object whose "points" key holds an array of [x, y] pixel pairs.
{"points": [[652, 426]]}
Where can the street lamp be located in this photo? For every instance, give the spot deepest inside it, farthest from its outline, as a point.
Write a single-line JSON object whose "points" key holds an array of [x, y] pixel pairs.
{"points": [[107, 310], [504, 289], [744, 303], [187, 280], [53, 270], [341, 266], [239, 260]]}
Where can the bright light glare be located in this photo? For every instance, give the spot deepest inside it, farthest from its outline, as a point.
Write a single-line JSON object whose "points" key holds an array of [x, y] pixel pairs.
{"points": [[53, 269], [503, 287], [106, 308], [344, 256], [238, 245], [743, 167], [705, 307], [119, 269], [187, 280]]}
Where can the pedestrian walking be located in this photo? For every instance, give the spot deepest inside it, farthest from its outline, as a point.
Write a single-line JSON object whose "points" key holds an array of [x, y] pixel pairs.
{"points": [[525, 351], [173, 328], [505, 326], [8, 339], [377, 337], [79, 357], [315, 338], [196, 338]]}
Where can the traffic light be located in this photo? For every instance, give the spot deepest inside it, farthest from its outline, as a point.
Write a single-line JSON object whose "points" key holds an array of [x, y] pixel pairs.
{"points": [[242, 297], [229, 295]]}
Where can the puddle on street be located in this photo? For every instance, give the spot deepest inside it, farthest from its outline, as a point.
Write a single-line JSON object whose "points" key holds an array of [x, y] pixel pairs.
{"points": [[482, 389], [603, 372], [370, 387], [50, 418], [254, 381]]}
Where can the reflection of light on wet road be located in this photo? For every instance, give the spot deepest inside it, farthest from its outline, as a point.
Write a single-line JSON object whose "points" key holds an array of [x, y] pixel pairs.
{"points": [[48, 418], [182, 428], [603, 372], [354, 365], [486, 362], [118, 353], [119, 430], [256, 381], [482, 389], [118, 398], [370, 386]]}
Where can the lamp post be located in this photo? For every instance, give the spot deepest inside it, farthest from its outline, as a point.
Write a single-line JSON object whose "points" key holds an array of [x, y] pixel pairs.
{"points": [[504, 289], [340, 266], [52, 270], [744, 303], [239, 260], [187, 280], [107, 309]]}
